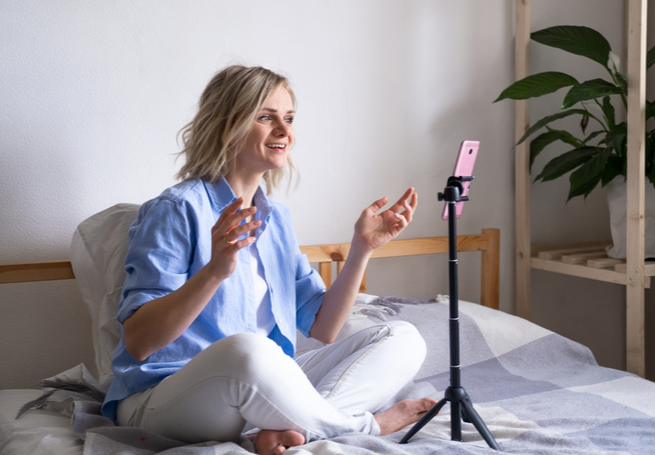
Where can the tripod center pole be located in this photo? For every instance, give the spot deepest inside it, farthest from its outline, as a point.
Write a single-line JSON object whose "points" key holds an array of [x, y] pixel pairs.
{"points": [[451, 195]]}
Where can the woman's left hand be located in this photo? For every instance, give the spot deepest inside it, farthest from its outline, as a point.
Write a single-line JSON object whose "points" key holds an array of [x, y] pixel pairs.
{"points": [[374, 230]]}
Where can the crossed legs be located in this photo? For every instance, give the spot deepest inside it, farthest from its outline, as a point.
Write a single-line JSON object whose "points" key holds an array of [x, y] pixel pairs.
{"points": [[247, 378]]}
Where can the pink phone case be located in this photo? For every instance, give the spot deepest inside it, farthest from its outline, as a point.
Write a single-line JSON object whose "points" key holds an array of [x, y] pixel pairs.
{"points": [[468, 152]]}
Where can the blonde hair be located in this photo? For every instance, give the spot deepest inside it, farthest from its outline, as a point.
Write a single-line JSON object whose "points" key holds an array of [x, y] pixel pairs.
{"points": [[228, 107]]}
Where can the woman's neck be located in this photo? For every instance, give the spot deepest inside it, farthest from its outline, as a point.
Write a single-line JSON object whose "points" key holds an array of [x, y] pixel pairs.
{"points": [[244, 187]]}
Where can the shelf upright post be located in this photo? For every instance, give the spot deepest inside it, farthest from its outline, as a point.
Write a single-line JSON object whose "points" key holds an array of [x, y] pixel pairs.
{"points": [[522, 160], [637, 19]]}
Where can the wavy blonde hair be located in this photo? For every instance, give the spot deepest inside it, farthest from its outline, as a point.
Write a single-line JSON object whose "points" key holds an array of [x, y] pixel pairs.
{"points": [[228, 107]]}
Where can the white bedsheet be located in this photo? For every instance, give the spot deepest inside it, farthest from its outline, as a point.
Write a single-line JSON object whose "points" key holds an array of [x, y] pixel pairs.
{"points": [[36, 432]]}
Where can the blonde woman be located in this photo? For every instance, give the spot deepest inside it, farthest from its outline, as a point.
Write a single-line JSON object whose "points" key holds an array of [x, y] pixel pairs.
{"points": [[216, 288]]}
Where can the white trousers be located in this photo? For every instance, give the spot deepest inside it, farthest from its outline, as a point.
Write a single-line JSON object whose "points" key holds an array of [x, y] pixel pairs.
{"points": [[247, 378]]}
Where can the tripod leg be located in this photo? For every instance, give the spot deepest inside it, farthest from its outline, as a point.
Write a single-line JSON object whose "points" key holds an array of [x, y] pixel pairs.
{"points": [[424, 420], [465, 416], [455, 420], [476, 420]]}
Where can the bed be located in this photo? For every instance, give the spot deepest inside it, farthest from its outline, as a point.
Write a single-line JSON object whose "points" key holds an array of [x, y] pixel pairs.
{"points": [[537, 392]]}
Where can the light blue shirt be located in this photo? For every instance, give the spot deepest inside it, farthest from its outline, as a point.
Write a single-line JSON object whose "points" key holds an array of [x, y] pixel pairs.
{"points": [[170, 241]]}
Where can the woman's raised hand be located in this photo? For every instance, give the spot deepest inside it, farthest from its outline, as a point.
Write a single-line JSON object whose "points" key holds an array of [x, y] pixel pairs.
{"points": [[225, 235], [374, 230]]}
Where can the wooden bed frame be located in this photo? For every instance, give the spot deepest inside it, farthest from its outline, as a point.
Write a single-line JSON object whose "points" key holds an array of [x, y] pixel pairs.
{"points": [[488, 242]]}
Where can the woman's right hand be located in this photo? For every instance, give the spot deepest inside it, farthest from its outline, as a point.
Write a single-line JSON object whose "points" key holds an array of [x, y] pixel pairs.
{"points": [[159, 322], [225, 235]]}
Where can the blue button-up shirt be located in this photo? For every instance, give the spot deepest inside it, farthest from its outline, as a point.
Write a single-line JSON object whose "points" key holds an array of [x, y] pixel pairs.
{"points": [[170, 241]]}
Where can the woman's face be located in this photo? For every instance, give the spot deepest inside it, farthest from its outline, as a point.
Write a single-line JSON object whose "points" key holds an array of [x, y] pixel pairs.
{"points": [[270, 137]]}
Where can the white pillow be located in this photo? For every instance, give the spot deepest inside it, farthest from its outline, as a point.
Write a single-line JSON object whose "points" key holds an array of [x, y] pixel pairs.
{"points": [[98, 251]]}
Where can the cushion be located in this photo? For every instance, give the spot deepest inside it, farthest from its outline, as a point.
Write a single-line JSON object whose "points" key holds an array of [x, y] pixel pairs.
{"points": [[98, 252]]}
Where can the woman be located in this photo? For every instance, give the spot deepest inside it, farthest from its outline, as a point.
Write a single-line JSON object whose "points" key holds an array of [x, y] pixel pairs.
{"points": [[216, 288]]}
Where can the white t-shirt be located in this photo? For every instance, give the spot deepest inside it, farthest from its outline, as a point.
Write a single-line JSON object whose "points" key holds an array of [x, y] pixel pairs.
{"points": [[265, 319]]}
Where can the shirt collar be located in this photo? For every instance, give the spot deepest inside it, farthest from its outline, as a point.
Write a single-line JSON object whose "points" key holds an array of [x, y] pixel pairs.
{"points": [[221, 195]]}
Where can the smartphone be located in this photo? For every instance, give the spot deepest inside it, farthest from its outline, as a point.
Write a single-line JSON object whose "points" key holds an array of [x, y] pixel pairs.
{"points": [[468, 152]]}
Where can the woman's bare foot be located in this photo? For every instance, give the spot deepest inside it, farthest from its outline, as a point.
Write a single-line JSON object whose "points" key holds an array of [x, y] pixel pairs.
{"points": [[272, 442], [402, 414]]}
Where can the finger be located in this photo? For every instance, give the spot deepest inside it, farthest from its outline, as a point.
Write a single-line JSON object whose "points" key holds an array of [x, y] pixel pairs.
{"points": [[235, 219], [399, 204], [229, 210], [403, 221], [241, 229], [377, 205], [410, 207], [235, 246]]}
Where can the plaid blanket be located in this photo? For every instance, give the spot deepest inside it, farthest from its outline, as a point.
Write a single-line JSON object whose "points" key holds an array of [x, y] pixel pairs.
{"points": [[537, 392]]}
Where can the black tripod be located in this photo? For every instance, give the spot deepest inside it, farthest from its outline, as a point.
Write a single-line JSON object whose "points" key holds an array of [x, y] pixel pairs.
{"points": [[461, 407]]}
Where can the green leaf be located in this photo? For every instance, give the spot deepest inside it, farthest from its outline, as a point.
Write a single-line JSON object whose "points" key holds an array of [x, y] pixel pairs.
{"points": [[650, 57], [583, 189], [577, 40], [650, 109], [590, 172], [537, 85], [614, 167], [590, 90], [608, 111], [540, 142], [616, 139], [592, 135], [551, 118], [621, 80], [566, 162]]}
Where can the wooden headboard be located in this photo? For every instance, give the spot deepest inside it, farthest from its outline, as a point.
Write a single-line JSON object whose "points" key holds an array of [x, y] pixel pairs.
{"points": [[488, 242]]}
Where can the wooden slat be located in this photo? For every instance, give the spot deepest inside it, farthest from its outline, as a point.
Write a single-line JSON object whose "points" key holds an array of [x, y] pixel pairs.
{"points": [[569, 247], [603, 263], [582, 258], [325, 270], [521, 160], [551, 255], [36, 271], [490, 276]]}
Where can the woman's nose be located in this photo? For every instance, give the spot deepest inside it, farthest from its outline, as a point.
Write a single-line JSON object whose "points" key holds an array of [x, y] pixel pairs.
{"points": [[282, 129]]}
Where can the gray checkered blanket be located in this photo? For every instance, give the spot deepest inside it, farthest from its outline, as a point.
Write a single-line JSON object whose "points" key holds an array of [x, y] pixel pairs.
{"points": [[537, 392]]}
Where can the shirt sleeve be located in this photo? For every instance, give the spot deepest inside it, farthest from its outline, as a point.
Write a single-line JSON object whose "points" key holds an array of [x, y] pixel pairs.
{"points": [[160, 251], [310, 290]]}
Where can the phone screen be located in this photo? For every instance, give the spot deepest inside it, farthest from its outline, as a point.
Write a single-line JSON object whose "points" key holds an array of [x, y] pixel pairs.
{"points": [[468, 152]]}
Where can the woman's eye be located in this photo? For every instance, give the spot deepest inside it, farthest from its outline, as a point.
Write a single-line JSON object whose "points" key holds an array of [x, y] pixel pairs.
{"points": [[264, 118], [289, 120]]}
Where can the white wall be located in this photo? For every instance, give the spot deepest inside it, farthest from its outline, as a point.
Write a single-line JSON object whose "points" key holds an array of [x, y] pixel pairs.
{"points": [[94, 92]]}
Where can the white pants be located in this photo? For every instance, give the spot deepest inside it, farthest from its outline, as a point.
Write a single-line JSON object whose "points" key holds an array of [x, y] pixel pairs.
{"points": [[247, 378]]}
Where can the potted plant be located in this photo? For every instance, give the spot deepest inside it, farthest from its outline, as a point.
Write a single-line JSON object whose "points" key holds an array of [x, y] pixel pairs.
{"points": [[600, 154]]}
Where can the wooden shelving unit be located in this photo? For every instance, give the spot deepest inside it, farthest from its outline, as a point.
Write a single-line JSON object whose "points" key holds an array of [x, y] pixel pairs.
{"points": [[587, 260]]}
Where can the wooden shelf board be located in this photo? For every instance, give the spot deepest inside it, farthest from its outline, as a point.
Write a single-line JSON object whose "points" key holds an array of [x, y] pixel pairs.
{"points": [[579, 270], [586, 260]]}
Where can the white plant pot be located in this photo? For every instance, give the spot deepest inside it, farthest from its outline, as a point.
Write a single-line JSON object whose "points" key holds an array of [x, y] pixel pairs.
{"points": [[617, 200]]}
